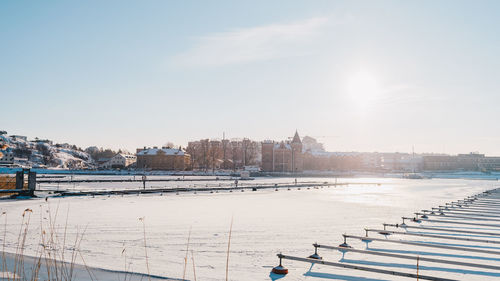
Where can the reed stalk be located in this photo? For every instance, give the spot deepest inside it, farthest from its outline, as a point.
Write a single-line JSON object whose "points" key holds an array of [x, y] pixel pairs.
{"points": [[418, 258], [228, 248], [187, 252], [145, 246], [49, 255], [194, 267]]}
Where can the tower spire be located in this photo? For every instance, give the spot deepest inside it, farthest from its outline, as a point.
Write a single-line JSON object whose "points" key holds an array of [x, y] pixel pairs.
{"points": [[296, 138]]}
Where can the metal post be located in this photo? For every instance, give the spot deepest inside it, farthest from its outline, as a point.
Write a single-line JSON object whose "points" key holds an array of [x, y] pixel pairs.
{"points": [[31, 183], [19, 179]]}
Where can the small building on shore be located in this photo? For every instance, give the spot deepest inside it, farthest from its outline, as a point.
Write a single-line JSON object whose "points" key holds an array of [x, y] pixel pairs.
{"points": [[165, 158], [6, 156], [102, 163], [119, 161]]}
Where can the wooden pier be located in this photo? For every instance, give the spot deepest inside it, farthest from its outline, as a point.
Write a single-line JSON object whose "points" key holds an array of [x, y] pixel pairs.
{"points": [[193, 189], [461, 213], [466, 210], [408, 257], [139, 179], [458, 222], [422, 244], [443, 229], [364, 268], [480, 207], [22, 184], [459, 217], [383, 232]]}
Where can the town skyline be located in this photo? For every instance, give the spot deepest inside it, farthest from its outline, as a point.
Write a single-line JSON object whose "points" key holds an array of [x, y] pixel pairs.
{"points": [[379, 76], [184, 145]]}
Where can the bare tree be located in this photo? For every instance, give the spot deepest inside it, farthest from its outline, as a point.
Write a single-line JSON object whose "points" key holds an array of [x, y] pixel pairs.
{"points": [[169, 144], [215, 151]]}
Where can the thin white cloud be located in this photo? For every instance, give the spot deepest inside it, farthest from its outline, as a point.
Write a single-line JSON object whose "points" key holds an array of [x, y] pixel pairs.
{"points": [[252, 44], [398, 94], [407, 93]]}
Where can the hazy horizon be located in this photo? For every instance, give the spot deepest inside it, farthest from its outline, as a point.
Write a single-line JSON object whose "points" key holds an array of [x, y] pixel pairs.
{"points": [[366, 76], [285, 138]]}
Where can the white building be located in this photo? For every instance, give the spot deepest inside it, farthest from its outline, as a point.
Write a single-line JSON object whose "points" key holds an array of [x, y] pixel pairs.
{"points": [[7, 156], [120, 161]]}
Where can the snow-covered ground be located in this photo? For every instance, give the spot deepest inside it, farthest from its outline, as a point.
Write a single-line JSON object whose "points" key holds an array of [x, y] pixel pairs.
{"points": [[78, 271], [265, 223]]}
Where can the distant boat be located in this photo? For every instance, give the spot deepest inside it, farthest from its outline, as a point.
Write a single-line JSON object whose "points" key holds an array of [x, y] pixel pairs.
{"points": [[413, 176], [486, 172]]}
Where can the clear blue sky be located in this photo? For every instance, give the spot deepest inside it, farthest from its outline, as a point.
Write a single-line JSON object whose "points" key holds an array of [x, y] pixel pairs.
{"points": [[367, 75]]}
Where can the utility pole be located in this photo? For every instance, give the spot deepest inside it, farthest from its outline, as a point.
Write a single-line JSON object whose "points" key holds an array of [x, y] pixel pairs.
{"points": [[213, 159], [244, 143], [205, 148], [283, 163], [224, 146]]}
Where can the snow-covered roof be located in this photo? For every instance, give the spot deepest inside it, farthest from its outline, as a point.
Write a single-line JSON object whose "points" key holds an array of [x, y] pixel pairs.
{"points": [[320, 153], [285, 145], [166, 151], [19, 137], [126, 156]]}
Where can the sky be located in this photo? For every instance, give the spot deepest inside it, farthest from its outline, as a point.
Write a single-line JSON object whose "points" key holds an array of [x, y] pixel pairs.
{"points": [[357, 75]]}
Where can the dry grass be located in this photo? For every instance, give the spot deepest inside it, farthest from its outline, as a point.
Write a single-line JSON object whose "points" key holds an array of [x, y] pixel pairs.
{"points": [[145, 246], [54, 258], [187, 252], [194, 267], [228, 248]]}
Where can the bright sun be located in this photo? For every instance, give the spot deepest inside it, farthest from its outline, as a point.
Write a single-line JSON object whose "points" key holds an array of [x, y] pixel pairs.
{"points": [[363, 87]]}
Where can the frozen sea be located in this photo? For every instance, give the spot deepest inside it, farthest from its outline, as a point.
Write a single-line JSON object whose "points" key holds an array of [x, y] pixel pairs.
{"points": [[265, 222]]}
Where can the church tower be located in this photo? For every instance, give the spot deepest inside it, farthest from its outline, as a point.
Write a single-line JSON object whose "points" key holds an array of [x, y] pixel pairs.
{"points": [[296, 153]]}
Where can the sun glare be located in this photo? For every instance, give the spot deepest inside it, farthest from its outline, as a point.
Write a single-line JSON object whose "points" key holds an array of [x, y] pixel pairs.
{"points": [[363, 87]]}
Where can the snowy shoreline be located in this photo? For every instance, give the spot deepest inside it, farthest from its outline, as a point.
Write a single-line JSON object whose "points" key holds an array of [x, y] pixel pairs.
{"points": [[319, 174], [80, 271]]}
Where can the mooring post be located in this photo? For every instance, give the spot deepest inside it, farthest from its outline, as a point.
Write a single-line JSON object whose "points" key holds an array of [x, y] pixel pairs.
{"points": [[315, 255], [423, 216], [403, 224], [280, 269], [345, 245], [19, 179], [31, 183]]}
